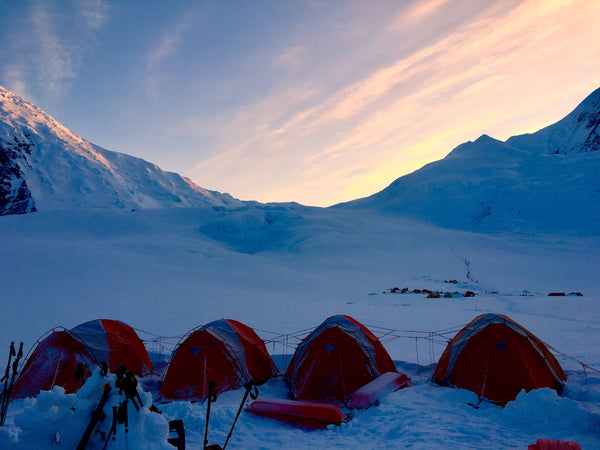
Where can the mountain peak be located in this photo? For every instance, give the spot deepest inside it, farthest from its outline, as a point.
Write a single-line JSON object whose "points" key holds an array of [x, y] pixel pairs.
{"points": [[484, 138], [588, 115], [577, 132], [45, 166], [517, 185], [591, 103]]}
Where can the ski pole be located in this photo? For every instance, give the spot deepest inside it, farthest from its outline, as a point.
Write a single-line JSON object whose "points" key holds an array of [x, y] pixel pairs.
{"points": [[8, 392], [248, 389], [212, 396], [6, 374], [11, 353]]}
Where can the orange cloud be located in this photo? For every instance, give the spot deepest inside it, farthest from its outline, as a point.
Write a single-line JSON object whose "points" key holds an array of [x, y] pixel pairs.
{"points": [[503, 72]]}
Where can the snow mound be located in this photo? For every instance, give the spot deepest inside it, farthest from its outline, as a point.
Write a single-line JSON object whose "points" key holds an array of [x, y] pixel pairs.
{"points": [[55, 418]]}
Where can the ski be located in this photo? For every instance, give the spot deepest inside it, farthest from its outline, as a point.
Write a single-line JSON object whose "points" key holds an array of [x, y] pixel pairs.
{"points": [[96, 416], [8, 388]]}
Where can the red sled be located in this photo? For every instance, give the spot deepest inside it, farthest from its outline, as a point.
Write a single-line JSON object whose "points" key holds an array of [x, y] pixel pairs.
{"points": [[552, 444], [372, 392], [308, 415]]}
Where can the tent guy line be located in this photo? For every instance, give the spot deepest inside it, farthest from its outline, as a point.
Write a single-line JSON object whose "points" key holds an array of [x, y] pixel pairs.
{"points": [[385, 335]]}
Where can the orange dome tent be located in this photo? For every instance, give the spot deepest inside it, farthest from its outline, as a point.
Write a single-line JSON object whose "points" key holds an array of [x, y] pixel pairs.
{"points": [[334, 360], [115, 343], [496, 358], [54, 363], [67, 357], [226, 352]]}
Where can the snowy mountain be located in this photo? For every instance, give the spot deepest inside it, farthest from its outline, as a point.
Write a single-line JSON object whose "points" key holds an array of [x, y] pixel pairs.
{"points": [[44, 166], [547, 181]]}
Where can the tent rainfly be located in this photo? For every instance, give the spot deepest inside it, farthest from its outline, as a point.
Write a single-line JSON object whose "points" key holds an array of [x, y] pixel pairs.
{"points": [[67, 357], [340, 356], [226, 352], [496, 358]]}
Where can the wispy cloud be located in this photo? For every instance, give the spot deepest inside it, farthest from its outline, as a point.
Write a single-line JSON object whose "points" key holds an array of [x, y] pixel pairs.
{"points": [[166, 47], [467, 82], [291, 58], [55, 57], [94, 12], [58, 36], [169, 42], [418, 12], [16, 80]]}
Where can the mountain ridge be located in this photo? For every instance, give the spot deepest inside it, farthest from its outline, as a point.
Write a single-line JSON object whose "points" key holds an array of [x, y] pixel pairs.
{"points": [[580, 126], [546, 181], [45, 166]]}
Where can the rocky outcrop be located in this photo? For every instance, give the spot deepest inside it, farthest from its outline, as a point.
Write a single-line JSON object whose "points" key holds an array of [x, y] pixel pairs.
{"points": [[15, 196]]}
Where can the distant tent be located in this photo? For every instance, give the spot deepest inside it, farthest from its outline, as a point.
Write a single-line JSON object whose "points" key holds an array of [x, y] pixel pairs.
{"points": [[67, 357], [334, 360], [224, 351], [496, 358]]}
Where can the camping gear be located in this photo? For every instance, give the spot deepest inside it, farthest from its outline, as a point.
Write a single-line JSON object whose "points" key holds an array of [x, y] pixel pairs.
{"points": [[212, 397], [334, 360], [96, 417], [225, 351], [4, 396], [308, 415], [67, 357], [372, 392], [253, 395], [496, 358], [127, 384], [176, 427], [8, 385]]}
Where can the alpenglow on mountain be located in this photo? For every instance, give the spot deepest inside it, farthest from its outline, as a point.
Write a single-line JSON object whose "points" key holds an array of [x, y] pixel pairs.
{"points": [[547, 181], [44, 167]]}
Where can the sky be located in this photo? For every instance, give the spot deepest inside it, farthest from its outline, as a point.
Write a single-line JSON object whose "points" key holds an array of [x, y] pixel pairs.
{"points": [[317, 102]]}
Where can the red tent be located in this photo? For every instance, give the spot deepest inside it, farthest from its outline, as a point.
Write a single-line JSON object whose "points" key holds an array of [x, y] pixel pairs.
{"points": [[224, 351], [54, 363], [67, 357], [337, 358], [115, 343], [496, 358]]}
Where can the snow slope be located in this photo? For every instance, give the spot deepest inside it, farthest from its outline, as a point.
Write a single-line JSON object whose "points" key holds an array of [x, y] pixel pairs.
{"points": [[44, 166], [163, 271], [547, 181]]}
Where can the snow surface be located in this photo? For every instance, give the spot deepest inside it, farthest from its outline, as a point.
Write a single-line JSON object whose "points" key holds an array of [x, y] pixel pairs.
{"points": [[282, 270]]}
